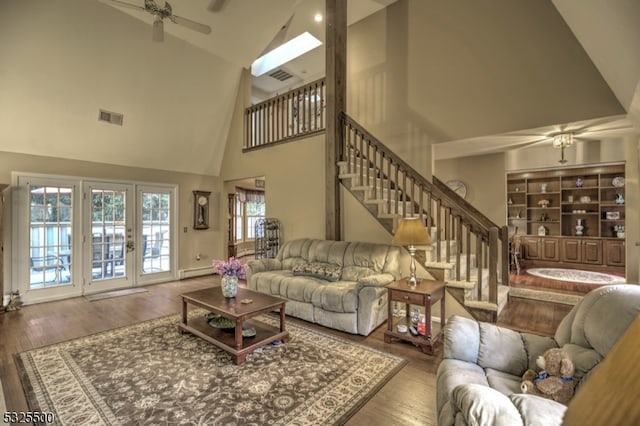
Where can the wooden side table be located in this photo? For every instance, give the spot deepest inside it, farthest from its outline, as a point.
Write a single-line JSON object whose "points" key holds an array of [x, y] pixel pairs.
{"points": [[424, 294]]}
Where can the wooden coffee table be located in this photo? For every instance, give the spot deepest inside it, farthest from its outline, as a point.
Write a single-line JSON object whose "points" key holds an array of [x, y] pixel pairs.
{"points": [[212, 300]]}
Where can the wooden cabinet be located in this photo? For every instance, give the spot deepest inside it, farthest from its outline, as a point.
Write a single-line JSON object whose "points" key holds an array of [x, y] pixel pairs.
{"points": [[614, 252], [540, 248], [572, 214], [591, 251], [550, 249], [571, 250]]}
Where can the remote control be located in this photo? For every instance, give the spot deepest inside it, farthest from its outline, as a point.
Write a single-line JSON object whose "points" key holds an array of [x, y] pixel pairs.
{"points": [[413, 330]]}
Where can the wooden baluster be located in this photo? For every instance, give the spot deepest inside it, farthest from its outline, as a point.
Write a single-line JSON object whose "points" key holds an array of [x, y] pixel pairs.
{"points": [[361, 155], [447, 226], [438, 220], [458, 227], [421, 206], [479, 261], [493, 267], [368, 164], [389, 185], [468, 246], [374, 165], [397, 189]]}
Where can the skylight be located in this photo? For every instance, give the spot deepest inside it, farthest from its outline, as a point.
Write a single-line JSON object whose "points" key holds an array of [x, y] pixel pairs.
{"points": [[290, 50]]}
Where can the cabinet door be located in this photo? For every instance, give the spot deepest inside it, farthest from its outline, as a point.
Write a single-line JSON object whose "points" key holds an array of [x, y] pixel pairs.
{"points": [[531, 248], [571, 250], [592, 252], [550, 249], [614, 252]]}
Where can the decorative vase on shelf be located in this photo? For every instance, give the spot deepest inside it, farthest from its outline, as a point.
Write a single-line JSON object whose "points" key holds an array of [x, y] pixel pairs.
{"points": [[543, 187], [579, 182], [542, 231], [229, 285], [619, 199], [579, 228]]}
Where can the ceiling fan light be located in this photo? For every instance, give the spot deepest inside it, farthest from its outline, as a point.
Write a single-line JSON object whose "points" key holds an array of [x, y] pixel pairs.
{"points": [[562, 140], [158, 30]]}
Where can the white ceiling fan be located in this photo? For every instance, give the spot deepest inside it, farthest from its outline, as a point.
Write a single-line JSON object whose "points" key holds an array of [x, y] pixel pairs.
{"points": [[581, 131], [160, 14]]}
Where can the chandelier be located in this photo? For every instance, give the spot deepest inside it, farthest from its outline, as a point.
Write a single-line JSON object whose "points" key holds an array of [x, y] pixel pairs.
{"points": [[562, 141]]}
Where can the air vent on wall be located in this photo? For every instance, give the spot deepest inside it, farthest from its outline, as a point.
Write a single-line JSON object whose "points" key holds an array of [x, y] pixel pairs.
{"points": [[280, 74], [111, 117]]}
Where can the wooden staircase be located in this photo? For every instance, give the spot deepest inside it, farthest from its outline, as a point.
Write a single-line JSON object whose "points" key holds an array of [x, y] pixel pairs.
{"points": [[469, 252]]}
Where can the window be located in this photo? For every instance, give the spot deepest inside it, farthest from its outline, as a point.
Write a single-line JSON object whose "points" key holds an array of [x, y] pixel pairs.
{"points": [[249, 207], [51, 212]]}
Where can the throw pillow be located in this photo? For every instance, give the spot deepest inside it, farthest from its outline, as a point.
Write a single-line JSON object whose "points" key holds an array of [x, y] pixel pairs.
{"points": [[323, 271]]}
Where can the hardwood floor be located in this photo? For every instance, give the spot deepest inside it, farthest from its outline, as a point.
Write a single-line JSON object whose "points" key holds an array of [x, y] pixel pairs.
{"points": [[407, 399]]}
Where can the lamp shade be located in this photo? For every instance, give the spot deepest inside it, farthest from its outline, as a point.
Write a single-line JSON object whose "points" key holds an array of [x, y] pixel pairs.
{"points": [[411, 232]]}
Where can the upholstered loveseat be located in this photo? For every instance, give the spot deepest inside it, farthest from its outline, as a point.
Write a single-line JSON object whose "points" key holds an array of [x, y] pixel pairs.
{"points": [[337, 284], [478, 380]]}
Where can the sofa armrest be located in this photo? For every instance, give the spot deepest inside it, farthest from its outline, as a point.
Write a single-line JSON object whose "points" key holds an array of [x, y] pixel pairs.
{"points": [[483, 406], [378, 280]]}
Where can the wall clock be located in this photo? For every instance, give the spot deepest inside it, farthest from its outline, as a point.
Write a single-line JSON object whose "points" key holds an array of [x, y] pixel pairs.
{"points": [[201, 209], [458, 186]]}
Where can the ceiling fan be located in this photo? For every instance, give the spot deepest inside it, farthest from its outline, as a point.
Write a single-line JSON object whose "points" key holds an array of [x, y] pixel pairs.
{"points": [[160, 14], [564, 136]]}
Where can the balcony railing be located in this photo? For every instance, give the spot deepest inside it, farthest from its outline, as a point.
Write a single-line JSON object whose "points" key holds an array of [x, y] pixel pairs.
{"points": [[297, 113]]}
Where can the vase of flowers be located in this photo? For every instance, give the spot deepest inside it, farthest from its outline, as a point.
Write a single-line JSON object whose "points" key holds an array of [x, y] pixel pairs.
{"points": [[230, 271]]}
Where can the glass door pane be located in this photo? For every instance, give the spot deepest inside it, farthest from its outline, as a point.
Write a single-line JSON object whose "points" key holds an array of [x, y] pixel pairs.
{"points": [[50, 242], [107, 230], [156, 219]]}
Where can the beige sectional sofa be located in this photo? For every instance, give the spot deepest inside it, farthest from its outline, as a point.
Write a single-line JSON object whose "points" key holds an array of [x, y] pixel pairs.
{"points": [[337, 284]]}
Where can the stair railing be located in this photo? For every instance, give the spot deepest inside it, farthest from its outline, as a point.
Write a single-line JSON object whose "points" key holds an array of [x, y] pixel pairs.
{"points": [[298, 113], [407, 193]]}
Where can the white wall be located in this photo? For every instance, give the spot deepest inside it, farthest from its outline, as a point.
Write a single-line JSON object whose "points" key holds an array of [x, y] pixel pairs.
{"points": [[63, 60]]}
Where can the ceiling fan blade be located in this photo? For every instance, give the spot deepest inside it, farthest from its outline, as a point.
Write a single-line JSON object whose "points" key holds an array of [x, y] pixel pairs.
{"points": [[216, 5], [196, 26], [123, 4]]}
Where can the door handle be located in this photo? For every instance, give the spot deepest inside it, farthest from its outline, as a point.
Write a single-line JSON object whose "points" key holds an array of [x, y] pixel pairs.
{"points": [[130, 246]]}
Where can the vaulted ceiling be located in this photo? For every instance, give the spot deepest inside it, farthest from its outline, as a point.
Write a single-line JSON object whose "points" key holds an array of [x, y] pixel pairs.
{"points": [[64, 60]]}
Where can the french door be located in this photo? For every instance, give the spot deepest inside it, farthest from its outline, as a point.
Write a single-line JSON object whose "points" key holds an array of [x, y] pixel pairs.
{"points": [[77, 237], [108, 236]]}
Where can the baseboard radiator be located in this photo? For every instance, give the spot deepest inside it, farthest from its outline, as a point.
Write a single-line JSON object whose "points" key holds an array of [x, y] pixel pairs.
{"points": [[195, 272]]}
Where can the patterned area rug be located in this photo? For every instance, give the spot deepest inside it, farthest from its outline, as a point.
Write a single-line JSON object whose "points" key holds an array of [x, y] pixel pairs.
{"points": [[149, 373], [575, 275]]}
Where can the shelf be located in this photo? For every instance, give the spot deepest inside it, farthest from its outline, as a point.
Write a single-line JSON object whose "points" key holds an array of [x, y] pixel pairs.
{"points": [[561, 214]]}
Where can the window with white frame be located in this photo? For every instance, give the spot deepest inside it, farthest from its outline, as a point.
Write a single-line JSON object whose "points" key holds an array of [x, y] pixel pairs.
{"points": [[249, 207]]}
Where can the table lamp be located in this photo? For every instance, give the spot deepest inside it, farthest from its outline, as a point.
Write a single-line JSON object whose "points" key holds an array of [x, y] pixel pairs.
{"points": [[411, 233]]}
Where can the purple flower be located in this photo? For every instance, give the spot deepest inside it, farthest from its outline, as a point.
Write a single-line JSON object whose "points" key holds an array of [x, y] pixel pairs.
{"points": [[231, 268]]}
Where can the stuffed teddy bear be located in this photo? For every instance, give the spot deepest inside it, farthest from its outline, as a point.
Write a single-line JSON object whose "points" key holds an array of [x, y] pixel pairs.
{"points": [[555, 380]]}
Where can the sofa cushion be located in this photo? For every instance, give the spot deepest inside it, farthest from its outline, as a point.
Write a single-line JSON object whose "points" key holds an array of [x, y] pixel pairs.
{"points": [[510, 358], [583, 359], [269, 282], [336, 297], [327, 251], [321, 270], [504, 383], [299, 288]]}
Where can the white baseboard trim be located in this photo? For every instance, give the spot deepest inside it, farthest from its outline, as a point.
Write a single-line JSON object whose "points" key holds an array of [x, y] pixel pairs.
{"points": [[195, 272]]}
